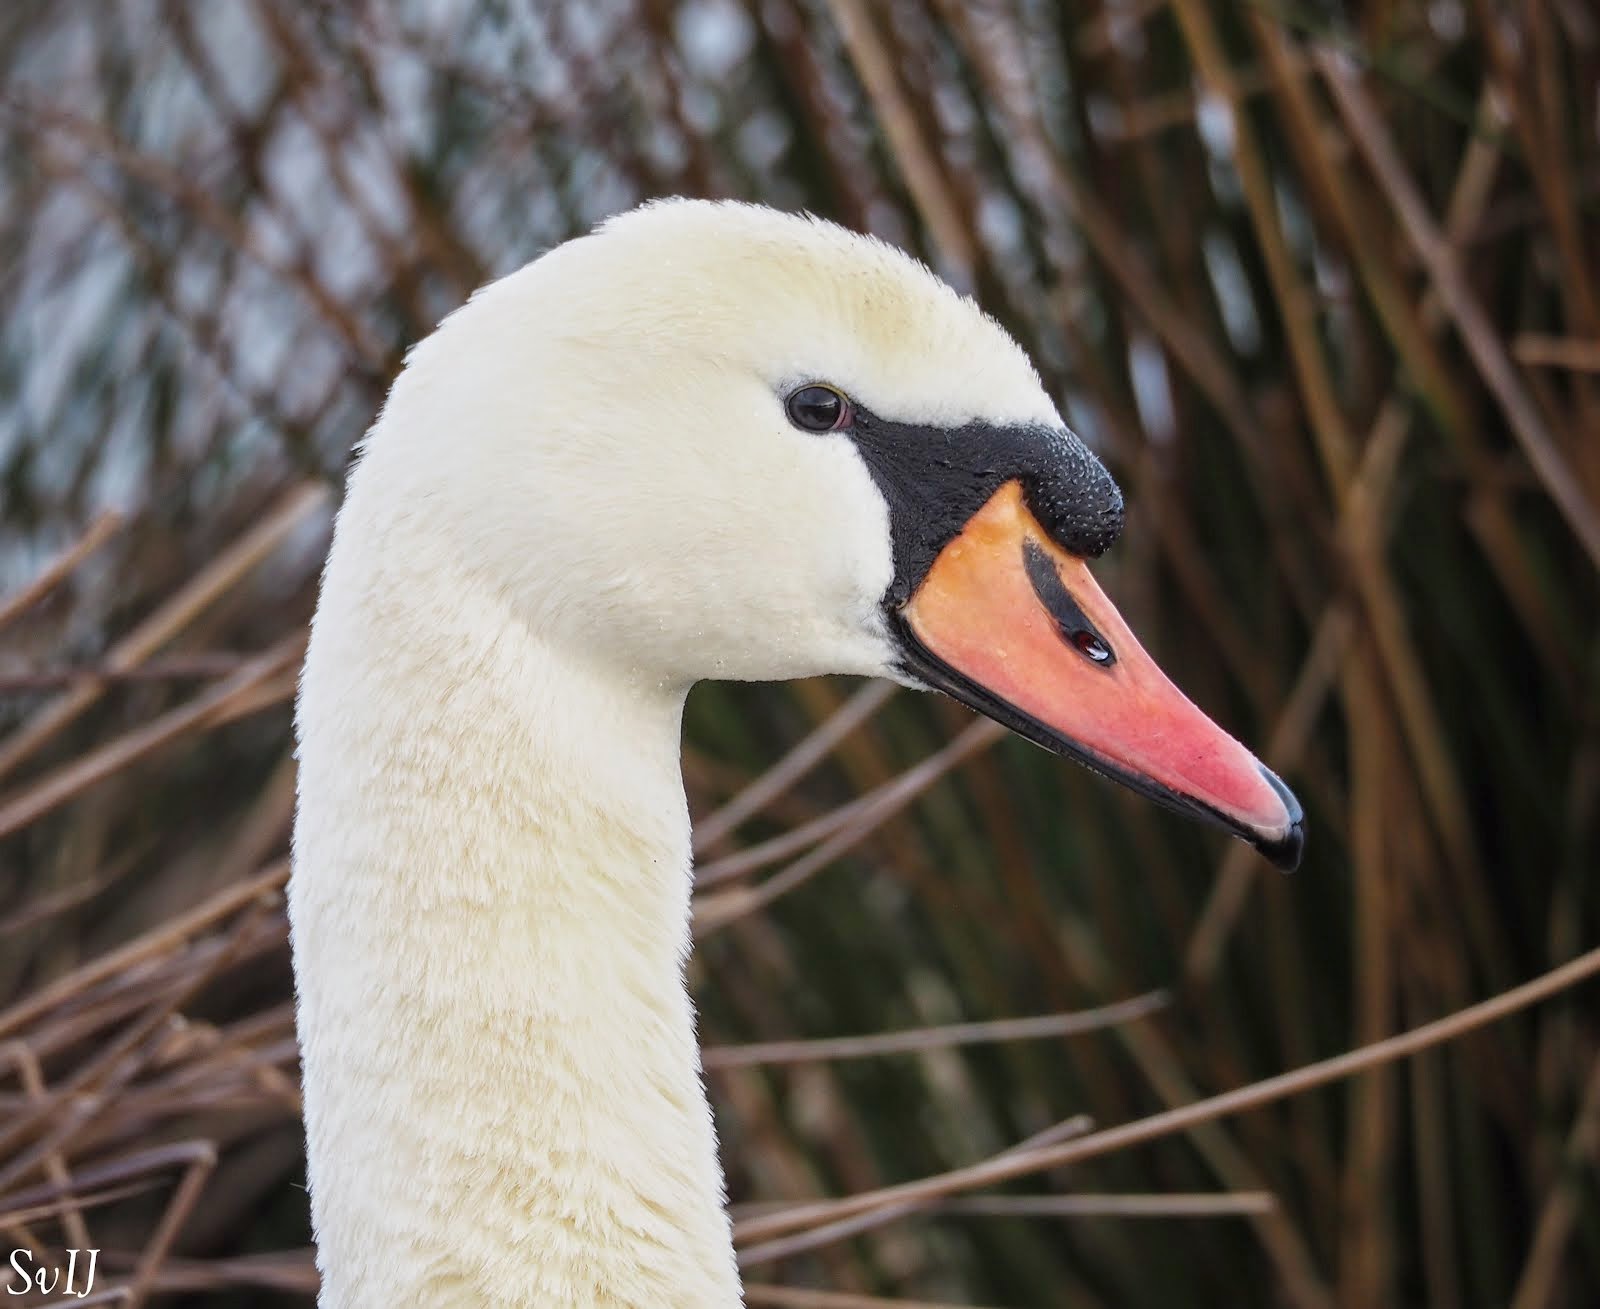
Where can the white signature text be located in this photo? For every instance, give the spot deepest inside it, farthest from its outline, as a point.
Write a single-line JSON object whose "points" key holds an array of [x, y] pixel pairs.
{"points": [[26, 1278]]}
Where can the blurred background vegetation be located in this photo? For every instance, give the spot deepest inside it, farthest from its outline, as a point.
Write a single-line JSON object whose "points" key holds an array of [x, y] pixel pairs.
{"points": [[1321, 282]]}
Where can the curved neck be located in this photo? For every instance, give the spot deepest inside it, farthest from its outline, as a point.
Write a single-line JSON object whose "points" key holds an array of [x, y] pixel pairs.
{"points": [[489, 909]]}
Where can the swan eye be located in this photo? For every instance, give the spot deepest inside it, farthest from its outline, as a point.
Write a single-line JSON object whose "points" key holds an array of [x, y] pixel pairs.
{"points": [[818, 409]]}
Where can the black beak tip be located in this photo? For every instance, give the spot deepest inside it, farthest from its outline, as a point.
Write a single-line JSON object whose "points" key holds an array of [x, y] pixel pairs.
{"points": [[1284, 852]]}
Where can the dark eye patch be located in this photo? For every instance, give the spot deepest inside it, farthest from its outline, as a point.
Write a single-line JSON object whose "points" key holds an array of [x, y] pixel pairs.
{"points": [[935, 478]]}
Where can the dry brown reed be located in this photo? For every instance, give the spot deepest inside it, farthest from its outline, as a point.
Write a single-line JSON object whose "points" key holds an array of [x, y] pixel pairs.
{"points": [[1322, 283]]}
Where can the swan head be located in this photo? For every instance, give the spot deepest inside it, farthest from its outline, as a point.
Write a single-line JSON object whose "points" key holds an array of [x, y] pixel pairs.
{"points": [[711, 440]]}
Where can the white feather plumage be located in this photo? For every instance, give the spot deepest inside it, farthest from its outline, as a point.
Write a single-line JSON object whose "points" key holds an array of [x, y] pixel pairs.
{"points": [[582, 496]]}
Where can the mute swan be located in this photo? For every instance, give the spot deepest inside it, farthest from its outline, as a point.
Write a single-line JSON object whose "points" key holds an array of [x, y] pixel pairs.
{"points": [[708, 440]]}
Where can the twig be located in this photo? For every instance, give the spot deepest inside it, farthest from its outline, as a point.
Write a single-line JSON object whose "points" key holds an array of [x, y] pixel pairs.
{"points": [[57, 570], [917, 1039], [33, 1086], [859, 816], [796, 1297], [55, 789], [827, 1233], [1537, 1284], [1557, 352], [1226, 1204], [158, 940], [806, 755], [219, 576], [175, 668], [918, 164], [1477, 332], [1154, 1127], [712, 912], [202, 1161]]}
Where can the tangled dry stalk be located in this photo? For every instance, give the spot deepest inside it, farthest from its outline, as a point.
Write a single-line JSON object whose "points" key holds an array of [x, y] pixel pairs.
{"points": [[1323, 289]]}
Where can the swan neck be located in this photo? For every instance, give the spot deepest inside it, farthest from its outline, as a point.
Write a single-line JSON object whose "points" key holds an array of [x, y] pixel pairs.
{"points": [[490, 909]]}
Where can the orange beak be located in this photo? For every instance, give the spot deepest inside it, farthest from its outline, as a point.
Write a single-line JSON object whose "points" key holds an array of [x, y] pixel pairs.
{"points": [[1010, 623]]}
